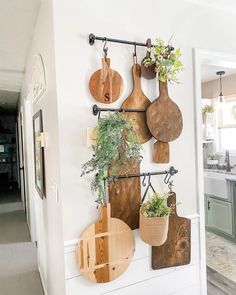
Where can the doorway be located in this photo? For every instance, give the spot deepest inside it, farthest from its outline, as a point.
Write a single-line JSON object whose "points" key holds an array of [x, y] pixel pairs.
{"points": [[216, 151]]}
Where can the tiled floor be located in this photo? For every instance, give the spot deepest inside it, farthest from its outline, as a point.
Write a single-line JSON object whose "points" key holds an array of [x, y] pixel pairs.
{"points": [[221, 255]]}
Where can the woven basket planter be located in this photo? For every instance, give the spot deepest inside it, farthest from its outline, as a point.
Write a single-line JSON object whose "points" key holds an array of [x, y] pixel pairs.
{"points": [[153, 230]]}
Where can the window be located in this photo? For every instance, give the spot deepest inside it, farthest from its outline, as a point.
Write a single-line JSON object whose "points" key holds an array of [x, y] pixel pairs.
{"points": [[227, 125]]}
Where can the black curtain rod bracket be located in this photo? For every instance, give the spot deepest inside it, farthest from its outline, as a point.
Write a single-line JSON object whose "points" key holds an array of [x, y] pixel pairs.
{"points": [[97, 110], [93, 38]]}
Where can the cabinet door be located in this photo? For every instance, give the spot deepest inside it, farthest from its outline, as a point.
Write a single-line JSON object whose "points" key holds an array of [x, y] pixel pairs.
{"points": [[220, 215]]}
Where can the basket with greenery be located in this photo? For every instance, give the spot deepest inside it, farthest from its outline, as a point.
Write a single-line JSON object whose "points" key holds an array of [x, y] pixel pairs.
{"points": [[116, 140], [154, 219], [166, 59]]}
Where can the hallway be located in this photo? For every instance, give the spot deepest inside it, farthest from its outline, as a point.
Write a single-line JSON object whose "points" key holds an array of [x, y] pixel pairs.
{"points": [[18, 259]]}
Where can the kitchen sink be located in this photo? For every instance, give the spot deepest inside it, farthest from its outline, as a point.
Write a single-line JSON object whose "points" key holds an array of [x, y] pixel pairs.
{"points": [[217, 183]]}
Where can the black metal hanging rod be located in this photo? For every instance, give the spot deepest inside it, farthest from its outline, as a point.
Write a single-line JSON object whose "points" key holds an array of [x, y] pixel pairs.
{"points": [[169, 172], [92, 39], [97, 110]]}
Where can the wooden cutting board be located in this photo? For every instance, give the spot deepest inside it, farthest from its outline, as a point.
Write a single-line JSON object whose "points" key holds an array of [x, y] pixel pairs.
{"points": [[106, 85], [125, 196], [161, 152], [105, 249], [138, 100], [176, 250], [164, 118]]}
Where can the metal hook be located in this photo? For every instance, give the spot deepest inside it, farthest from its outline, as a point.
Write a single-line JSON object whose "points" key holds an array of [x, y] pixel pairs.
{"points": [[170, 185], [105, 49], [167, 178], [143, 182], [135, 54], [99, 115]]}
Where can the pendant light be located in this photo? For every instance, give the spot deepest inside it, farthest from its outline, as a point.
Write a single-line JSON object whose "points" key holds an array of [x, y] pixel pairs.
{"points": [[221, 96]]}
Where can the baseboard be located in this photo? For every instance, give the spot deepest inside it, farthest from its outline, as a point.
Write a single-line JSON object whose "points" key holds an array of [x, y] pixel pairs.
{"points": [[42, 282]]}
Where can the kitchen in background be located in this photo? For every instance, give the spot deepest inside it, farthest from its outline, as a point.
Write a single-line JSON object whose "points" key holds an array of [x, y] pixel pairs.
{"points": [[219, 153]]}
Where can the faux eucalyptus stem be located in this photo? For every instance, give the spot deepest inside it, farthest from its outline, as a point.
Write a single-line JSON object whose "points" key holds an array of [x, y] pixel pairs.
{"points": [[116, 145]]}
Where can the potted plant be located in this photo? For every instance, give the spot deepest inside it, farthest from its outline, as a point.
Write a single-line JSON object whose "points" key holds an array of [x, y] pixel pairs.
{"points": [[116, 140], [212, 160], [154, 219], [166, 59], [206, 110]]}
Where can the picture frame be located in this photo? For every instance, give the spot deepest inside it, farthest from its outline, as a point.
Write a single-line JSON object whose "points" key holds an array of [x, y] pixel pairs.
{"points": [[39, 154]]}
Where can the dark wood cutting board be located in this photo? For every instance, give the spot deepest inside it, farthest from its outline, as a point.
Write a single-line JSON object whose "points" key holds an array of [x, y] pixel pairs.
{"points": [[125, 196], [176, 250], [138, 100], [164, 118]]}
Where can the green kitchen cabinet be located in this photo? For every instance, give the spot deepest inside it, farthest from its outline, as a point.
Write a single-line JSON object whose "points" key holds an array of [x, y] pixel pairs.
{"points": [[220, 216]]}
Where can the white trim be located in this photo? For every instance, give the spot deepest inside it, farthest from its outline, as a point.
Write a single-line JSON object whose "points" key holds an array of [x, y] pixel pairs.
{"points": [[210, 58], [42, 281]]}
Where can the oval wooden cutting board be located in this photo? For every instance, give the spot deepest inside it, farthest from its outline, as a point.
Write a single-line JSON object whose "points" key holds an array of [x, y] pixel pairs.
{"points": [[138, 100], [164, 118], [105, 249], [106, 85]]}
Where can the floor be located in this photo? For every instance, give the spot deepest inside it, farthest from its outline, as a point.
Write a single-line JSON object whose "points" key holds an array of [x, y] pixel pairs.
{"points": [[221, 255], [18, 261], [218, 284]]}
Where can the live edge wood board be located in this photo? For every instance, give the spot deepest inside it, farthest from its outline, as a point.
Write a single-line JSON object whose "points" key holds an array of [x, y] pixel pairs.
{"points": [[176, 250], [105, 249], [125, 196]]}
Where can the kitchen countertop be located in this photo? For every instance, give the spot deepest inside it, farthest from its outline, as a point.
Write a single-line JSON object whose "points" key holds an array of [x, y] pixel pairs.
{"points": [[221, 171]]}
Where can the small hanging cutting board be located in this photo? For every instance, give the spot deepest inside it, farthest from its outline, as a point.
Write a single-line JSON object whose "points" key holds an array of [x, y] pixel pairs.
{"points": [[176, 250], [125, 196], [106, 85], [105, 249], [138, 100]]}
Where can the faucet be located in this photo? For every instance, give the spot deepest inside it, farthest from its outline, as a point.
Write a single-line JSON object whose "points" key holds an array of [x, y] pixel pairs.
{"points": [[228, 167]]}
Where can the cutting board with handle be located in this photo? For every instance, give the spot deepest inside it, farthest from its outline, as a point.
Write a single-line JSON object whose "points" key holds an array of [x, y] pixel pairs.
{"points": [[125, 196], [164, 120], [138, 100], [176, 250], [105, 248], [106, 85]]}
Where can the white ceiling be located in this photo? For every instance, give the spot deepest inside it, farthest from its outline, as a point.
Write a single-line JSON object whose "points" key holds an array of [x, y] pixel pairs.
{"points": [[17, 21], [208, 72]]}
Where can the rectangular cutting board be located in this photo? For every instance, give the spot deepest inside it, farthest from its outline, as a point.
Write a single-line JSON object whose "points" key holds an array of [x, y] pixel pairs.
{"points": [[124, 197], [176, 250]]}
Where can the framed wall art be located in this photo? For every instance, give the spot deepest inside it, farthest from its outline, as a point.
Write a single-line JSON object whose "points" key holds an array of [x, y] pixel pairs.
{"points": [[39, 154]]}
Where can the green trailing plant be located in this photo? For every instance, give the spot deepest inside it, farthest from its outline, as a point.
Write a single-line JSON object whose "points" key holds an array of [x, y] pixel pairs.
{"points": [[156, 206], [166, 59], [207, 109], [117, 146]]}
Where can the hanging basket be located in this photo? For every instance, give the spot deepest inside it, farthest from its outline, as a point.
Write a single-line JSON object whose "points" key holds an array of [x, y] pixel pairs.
{"points": [[153, 230]]}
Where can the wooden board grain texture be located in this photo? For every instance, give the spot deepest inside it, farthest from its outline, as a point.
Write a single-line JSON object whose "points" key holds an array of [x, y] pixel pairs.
{"points": [[138, 100], [176, 250], [125, 197], [105, 249], [106, 85]]}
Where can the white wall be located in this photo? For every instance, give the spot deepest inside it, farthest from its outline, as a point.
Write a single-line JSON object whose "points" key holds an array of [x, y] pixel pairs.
{"points": [[48, 211], [192, 26]]}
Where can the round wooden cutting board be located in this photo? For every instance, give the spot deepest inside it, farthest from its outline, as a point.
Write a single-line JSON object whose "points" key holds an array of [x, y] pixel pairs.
{"points": [[164, 118], [105, 249], [138, 100], [106, 85]]}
